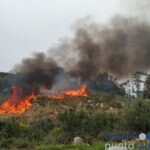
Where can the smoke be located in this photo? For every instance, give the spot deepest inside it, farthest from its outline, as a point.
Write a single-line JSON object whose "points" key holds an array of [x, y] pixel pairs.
{"points": [[137, 8], [35, 72], [120, 48]]}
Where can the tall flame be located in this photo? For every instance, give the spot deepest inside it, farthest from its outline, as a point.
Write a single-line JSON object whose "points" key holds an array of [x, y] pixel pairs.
{"points": [[14, 104], [17, 105]]}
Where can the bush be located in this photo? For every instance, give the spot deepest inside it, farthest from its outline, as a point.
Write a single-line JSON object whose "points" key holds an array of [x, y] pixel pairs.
{"points": [[5, 143], [20, 143], [75, 123], [56, 136], [8, 129], [137, 118], [41, 128], [103, 122], [79, 124], [25, 131]]}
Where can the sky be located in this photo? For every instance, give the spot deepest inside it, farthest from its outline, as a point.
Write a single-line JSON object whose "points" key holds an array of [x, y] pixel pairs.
{"points": [[28, 26]]}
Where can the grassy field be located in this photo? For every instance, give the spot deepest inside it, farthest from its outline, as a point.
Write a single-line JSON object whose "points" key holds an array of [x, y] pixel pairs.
{"points": [[98, 146]]}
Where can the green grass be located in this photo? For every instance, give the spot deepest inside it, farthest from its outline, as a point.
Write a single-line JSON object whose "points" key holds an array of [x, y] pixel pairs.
{"points": [[97, 146]]}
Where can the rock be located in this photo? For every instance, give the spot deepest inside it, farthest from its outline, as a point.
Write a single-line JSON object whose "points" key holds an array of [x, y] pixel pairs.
{"points": [[92, 105], [65, 106], [89, 101], [117, 148], [78, 141], [122, 105], [102, 105], [137, 141], [111, 108], [80, 104], [97, 104]]}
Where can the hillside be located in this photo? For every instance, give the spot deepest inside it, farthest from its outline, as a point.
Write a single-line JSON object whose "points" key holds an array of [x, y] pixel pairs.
{"points": [[94, 103]]}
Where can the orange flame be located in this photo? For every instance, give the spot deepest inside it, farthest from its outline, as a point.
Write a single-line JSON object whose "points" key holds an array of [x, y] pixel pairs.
{"points": [[15, 105], [72, 93]]}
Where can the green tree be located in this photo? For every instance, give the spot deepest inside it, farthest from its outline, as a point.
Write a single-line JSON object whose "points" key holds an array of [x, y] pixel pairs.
{"points": [[146, 92]]}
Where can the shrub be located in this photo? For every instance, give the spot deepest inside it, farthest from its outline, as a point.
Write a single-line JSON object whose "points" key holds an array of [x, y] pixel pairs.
{"points": [[103, 122], [5, 143], [75, 123], [21, 143], [40, 128], [79, 124], [56, 136], [8, 129], [137, 118]]}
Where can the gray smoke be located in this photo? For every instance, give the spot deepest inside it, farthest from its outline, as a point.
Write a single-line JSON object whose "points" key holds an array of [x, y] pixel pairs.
{"points": [[138, 8], [120, 48], [35, 72]]}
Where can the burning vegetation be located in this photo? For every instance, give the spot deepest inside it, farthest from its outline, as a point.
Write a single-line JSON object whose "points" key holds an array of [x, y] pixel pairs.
{"points": [[24, 88], [72, 93], [16, 103], [119, 48]]}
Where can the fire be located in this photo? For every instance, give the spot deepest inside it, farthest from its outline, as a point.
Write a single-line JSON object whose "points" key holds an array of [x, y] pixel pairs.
{"points": [[14, 104], [72, 93], [17, 105]]}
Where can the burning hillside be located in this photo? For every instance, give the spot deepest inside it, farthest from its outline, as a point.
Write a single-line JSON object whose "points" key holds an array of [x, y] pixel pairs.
{"points": [[71, 93], [26, 88], [118, 48], [16, 104]]}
